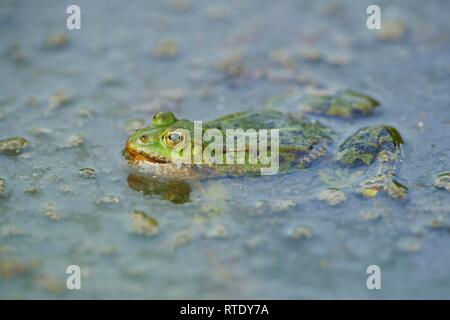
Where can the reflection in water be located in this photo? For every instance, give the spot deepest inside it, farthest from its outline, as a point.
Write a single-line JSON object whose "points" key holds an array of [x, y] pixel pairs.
{"points": [[174, 190]]}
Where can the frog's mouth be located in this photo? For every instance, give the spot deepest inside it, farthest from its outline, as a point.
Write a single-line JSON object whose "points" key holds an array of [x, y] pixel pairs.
{"points": [[133, 155]]}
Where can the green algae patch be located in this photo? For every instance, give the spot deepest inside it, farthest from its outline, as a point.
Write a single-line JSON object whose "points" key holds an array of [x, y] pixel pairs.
{"points": [[2, 188], [13, 145], [10, 269], [51, 285], [370, 187], [332, 196], [300, 233], [59, 99], [56, 41], [142, 224], [51, 212], [393, 30], [74, 141], [351, 157], [165, 49], [87, 173], [343, 104], [442, 181], [231, 66]]}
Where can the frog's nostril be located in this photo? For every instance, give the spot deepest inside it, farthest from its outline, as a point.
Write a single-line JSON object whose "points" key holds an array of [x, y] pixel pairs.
{"points": [[144, 138]]}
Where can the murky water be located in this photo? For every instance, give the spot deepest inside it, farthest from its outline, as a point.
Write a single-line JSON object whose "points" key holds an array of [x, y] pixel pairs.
{"points": [[74, 95]]}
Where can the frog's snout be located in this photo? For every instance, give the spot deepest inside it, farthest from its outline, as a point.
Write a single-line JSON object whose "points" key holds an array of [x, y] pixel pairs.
{"points": [[128, 144], [129, 149]]}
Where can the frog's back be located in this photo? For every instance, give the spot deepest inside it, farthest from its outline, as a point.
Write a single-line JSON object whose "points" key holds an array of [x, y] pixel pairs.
{"points": [[264, 119], [295, 132]]}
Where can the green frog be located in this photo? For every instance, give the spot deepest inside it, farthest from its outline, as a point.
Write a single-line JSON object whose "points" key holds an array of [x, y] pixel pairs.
{"points": [[301, 141]]}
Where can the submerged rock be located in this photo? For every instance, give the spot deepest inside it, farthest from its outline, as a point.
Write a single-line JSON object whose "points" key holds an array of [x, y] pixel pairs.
{"points": [[13, 145]]}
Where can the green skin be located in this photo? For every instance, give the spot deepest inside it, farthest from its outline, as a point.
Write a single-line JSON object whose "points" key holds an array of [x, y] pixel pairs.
{"points": [[376, 149]]}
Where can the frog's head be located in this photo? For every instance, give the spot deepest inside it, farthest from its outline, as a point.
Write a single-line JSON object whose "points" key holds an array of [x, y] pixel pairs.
{"points": [[160, 142]]}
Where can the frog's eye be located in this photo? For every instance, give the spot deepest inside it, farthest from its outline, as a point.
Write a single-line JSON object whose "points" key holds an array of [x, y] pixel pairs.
{"points": [[143, 139], [173, 138]]}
